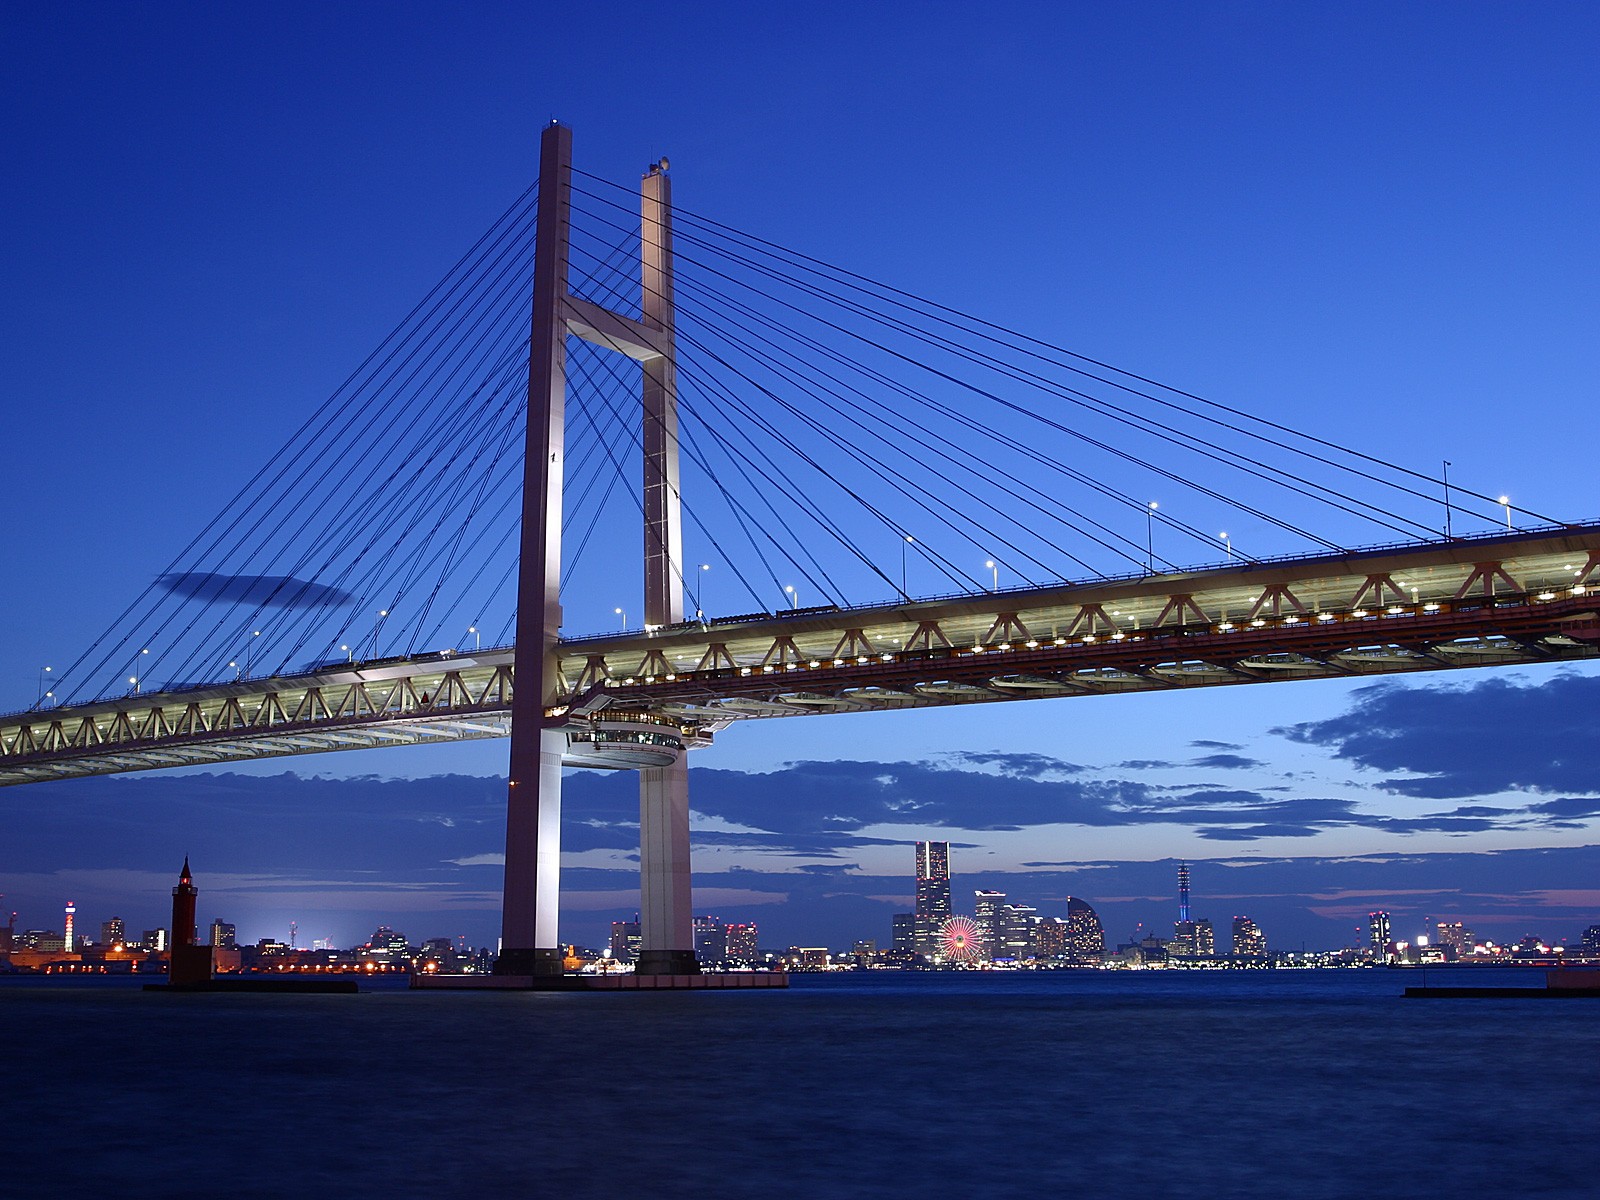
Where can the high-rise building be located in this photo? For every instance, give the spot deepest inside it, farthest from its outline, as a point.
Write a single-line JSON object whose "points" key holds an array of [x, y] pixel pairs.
{"points": [[740, 940], [710, 940], [1086, 937], [1455, 935], [154, 940], [1182, 943], [903, 938], [625, 940], [933, 894], [1050, 938], [112, 933], [1013, 932], [1248, 940], [224, 934], [66, 938], [985, 905], [1378, 934], [1205, 938], [1591, 940], [1183, 891]]}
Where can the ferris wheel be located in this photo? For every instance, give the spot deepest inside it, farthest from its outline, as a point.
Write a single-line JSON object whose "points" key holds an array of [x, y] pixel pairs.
{"points": [[960, 940]]}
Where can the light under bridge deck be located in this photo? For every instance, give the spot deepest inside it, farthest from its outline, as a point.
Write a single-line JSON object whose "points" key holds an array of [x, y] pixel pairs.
{"points": [[639, 700]]}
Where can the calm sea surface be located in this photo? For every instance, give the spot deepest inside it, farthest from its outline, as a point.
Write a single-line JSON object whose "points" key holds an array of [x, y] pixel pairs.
{"points": [[1082, 1084]]}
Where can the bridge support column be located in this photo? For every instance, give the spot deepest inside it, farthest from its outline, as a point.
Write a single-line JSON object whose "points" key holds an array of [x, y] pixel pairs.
{"points": [[528, 930], [666, 920]]}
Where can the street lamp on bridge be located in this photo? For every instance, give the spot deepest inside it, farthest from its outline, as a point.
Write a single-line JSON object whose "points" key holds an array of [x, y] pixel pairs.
{"points": [[989, 565], [1150, 536], [1505, 502], [1227, 545], [794, 596], [623, 615]]}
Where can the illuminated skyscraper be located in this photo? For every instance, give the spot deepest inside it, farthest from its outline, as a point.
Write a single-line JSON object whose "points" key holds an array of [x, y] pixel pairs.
{"points": [[66, 939], [112, 932], [710, 940], [933, 894], [741, 943], [933, 880], [1248, 940], [1183, 891], [1378, 927], [223, 934], [625, 940], [1085, 935], [985, 905]]}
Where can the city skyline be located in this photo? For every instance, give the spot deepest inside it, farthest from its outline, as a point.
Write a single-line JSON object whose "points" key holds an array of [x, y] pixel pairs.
{"points": [[1384, 238]]}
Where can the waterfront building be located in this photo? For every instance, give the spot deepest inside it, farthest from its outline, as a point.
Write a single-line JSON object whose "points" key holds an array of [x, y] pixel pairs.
{"points": [[740, 941], [932, 908], [710, 940], [1379, 936], [1086, 937], [1248, 940], [154, 940], [112, 933], [1591, 941], [985, 905], [903, 938], [1205, 938], [224, 935], [1183, 938], [1050, 938], [1013, 932], [1454, 935], [625, 940]]}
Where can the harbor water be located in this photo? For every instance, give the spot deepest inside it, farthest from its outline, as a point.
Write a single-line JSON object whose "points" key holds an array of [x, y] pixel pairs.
{"points": [[1071, 1083]]}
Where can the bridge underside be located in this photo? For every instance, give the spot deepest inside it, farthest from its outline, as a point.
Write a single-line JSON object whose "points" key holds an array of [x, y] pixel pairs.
{"points": [[638, 701]]}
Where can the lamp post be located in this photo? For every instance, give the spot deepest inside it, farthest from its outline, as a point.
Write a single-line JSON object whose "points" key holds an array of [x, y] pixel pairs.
{"points": [[701, 601], [905, 542], [1446, 463], [377, 628], [349, 654], [250, 651], [794, 596], [1505, 502], [1227, 545], [1150, 536], [989, 565], [43, 671], [477, 638], [623, 615]]}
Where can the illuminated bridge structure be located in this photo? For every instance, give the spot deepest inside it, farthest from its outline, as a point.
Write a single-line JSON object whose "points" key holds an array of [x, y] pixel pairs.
{"points": [[640, 700], [635, 701]]}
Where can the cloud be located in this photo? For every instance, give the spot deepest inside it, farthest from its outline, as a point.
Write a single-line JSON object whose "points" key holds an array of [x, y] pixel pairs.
{"points": [[1019, 766], [1480, 739], [268, 591]]}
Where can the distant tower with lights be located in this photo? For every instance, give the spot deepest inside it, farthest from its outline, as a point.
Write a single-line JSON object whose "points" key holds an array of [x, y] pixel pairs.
{"points": [[1183, 892], [66, 942]]}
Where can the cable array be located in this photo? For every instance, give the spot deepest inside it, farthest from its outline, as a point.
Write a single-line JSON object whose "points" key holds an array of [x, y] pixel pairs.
{"points": [[841, 441]]}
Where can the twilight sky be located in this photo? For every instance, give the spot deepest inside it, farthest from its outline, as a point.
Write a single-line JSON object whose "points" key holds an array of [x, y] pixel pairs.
{"points": [[1376, 220]]}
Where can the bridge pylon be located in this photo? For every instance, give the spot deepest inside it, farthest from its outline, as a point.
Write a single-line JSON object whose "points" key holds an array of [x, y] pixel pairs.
{"points": [[539, 739]]}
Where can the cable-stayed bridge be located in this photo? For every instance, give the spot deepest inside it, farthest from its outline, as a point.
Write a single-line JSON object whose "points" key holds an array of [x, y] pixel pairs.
{"points": [[922, 508]]}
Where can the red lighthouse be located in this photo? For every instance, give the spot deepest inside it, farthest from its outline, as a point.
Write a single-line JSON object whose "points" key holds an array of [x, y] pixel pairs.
{"points": [[190, 963]]}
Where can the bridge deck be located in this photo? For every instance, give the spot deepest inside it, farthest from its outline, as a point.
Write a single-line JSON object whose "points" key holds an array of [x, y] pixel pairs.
{"points": [[1500, 599]]}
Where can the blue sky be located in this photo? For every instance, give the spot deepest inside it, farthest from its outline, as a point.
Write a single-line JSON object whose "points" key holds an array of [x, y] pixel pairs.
{"points": [[1376, 220]]}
